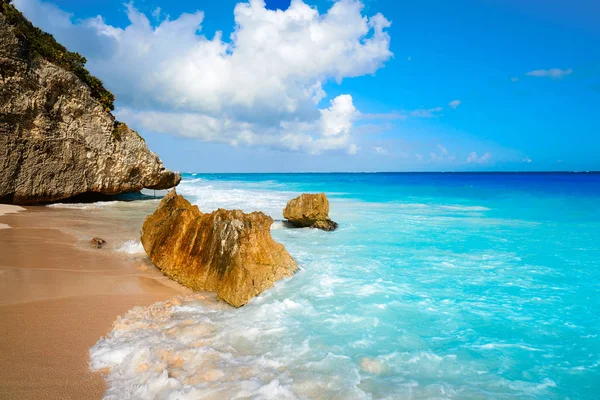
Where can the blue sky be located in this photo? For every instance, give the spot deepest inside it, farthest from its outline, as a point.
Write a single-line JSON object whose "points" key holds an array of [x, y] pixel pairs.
{"points": [[373, 86]]}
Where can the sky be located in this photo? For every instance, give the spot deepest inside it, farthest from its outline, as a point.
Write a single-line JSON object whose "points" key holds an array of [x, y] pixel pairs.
{"points": [[347, 85]]}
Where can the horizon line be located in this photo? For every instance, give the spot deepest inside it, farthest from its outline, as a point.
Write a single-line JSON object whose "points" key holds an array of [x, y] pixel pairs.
{"points": [[402, 172]]}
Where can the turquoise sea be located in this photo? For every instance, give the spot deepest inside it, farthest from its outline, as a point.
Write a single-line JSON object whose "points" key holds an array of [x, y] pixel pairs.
{"points": [[435, 286]]}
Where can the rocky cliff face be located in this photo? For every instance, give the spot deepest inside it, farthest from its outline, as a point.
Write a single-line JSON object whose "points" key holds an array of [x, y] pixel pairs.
{"points": [[57, 140], [226, 251], [309, 210]]}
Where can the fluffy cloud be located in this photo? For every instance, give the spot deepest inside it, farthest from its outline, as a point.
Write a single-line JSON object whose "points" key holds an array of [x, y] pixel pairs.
{"points": [[263, 86], [474, 158], [454, 104], [554, 73]]}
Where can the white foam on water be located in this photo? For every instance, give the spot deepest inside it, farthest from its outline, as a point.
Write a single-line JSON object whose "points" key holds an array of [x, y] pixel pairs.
{"points": [[131, 247], [209, 196], [491, 346], [187, 350], [464, 208], [85, 206]]}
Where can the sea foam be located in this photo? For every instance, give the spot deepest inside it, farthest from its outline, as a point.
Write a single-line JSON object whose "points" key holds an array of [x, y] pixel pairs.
{"points": [[131, 247]]}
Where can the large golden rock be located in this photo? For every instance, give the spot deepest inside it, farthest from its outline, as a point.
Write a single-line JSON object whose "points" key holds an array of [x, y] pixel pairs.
{"points": [[309, 210], [226, 251]]}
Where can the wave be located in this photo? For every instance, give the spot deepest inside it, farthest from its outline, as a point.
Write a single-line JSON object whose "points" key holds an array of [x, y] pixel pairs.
{"points": [[191, 347], [464, 208], [131, 247], [211, 196], [85, 206]]}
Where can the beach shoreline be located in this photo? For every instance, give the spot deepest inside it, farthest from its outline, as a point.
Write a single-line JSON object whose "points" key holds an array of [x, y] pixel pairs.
{"points": [[58, 296]]}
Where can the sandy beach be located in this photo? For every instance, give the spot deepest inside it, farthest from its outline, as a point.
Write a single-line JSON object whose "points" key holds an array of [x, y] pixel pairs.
{"points": [[58, 295]]}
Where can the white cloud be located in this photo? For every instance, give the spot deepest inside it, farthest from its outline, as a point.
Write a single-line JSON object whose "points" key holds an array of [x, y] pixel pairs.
{"points": [[427, 112], [527, 160], [333, 128], [156, 12], [514, 79], [454, 104], [337, 119], [263, 86], [384, 116], [380, 150], [474, 158], [442, 155], [554, 73], [403, 115]]}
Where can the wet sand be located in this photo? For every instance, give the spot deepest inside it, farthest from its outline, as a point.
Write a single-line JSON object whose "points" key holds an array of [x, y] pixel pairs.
{"points": [[58, 295]]}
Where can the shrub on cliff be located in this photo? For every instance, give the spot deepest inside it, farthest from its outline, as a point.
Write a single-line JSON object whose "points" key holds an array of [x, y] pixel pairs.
{"points": [[35, 42]]}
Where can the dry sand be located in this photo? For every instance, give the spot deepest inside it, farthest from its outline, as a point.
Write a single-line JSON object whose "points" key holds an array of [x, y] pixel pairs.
{"points": [[58, 296]]}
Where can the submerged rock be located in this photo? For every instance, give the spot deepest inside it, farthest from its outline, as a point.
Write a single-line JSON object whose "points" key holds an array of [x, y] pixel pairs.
{"points": [[309, 210], [97, 242], [58, 138], [226, 251]]}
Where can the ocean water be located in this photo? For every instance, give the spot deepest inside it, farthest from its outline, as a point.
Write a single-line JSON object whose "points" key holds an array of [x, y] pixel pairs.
{"points": [[435, 286]]}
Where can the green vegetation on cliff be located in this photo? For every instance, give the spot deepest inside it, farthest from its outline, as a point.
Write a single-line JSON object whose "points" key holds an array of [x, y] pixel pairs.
{"points": [[37, 42]]}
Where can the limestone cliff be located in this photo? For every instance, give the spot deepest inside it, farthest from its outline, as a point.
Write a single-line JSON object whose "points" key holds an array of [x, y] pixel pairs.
{"points": [[226, 251], [57, 136]]}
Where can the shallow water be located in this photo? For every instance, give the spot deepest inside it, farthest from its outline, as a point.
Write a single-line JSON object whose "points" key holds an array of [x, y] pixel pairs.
{"points": [[441, 286]]}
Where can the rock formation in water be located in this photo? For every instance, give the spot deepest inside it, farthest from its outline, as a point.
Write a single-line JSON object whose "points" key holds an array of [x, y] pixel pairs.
{"points": [[58, 138], [226, 251], [309, 210]]}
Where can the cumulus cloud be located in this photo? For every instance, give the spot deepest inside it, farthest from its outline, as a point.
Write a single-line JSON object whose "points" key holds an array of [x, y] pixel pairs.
{"points": [[527, 160], [474, 158], [554, 73], [262, 86], [454, 104]]}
